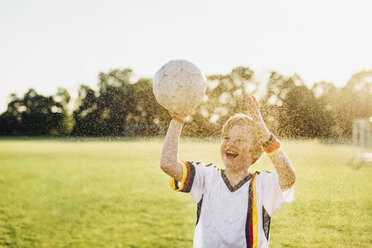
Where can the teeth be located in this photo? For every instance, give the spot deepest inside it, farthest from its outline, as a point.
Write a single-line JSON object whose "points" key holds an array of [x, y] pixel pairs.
{"points": [[231, 153]]}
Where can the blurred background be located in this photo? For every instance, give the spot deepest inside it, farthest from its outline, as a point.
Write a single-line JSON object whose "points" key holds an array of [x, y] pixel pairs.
{"points": [[85, 68]]}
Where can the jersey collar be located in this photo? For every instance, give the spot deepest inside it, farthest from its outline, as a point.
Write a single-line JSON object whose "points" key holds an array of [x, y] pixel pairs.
{"points": [[236, 186]]}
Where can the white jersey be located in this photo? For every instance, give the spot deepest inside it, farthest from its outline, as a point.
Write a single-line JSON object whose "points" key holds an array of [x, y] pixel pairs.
{"points": [[230, 216]]}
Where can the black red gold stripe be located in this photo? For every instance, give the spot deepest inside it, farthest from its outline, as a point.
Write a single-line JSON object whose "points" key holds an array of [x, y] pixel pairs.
{"points": [[188, 175], [190, 178]]}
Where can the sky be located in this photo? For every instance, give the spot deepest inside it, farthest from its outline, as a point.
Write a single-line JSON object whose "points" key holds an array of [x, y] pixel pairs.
{"points": [[49, 44]]}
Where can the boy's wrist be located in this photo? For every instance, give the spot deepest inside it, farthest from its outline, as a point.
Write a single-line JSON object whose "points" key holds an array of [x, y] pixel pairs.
{"points": [[272, 146], [179, 120], [268, 141], [265, 138]]}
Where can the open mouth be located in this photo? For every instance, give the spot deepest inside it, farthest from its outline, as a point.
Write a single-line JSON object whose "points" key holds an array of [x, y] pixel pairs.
{"points": [[231, 154]]}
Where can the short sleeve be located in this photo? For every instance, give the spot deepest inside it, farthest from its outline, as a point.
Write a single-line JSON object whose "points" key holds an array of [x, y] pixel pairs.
{"points": [[273, 198], [193, 180]]}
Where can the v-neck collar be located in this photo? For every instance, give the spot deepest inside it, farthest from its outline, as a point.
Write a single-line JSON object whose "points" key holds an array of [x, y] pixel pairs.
{"points": [[236, 186]]}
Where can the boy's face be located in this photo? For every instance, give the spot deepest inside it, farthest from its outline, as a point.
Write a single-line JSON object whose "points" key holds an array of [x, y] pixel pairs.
{"points": [[237, 147]]}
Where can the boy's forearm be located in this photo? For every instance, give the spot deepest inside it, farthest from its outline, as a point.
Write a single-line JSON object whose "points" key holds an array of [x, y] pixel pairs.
{"points": [[286, 172], [169, 156]]}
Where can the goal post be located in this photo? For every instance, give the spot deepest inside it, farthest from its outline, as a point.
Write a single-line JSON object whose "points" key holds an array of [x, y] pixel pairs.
{"points": [[362, 139]]}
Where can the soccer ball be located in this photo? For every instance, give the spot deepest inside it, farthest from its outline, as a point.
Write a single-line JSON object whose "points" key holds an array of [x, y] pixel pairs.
{"points": [[179, 86]]}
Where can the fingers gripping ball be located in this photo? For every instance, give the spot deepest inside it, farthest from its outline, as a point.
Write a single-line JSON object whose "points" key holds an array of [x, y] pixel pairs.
{"points": [[179, 86]]}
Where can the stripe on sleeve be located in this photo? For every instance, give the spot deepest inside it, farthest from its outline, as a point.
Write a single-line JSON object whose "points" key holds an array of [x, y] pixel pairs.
{"points": [[174, 184], [190, 178], [188, 175]]}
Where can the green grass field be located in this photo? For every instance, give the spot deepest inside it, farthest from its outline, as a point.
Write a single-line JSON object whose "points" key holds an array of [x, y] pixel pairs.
{"points": [[100, 193]]}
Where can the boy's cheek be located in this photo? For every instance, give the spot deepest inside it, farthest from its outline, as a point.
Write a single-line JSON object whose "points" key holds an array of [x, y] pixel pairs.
{"points": [[222, 147]]}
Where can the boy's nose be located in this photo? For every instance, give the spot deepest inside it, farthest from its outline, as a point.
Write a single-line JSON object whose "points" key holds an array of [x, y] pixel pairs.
{"points": [[232, 143]]}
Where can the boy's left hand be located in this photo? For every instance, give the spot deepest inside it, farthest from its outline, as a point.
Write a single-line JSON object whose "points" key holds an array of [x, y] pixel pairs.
{"points": [[263, 134]]}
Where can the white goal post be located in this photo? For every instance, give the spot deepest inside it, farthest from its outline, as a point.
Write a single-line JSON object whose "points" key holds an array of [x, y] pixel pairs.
{"points": [[362, 139]]}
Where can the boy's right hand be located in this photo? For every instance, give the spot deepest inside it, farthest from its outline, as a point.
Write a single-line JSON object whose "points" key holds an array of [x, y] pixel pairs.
{"points": [[179, 116]]}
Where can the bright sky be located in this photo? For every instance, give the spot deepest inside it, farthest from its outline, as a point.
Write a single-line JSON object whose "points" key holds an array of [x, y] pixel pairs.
{"points": [[50, 44]]}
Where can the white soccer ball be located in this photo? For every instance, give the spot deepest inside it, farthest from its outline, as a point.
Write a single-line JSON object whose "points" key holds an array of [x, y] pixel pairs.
{"points": [[179, 86]]}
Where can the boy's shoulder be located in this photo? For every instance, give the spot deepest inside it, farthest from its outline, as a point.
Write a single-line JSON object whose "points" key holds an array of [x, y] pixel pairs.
{"points": [[266, 171], [205, 169], [202, 164], [266, 174], [268, 177]]}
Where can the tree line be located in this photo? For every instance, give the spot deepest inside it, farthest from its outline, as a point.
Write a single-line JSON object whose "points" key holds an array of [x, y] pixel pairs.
{"points": [[121, 107]]}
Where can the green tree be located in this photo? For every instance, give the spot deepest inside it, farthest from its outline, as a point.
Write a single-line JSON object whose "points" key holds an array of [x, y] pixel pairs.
{"points": [[119, 108], [327, 96], [226, 96], [277, 88], [63, 97], [355, 101], [301, 115], [146, 117], [33, 115], [115, 101], [86, 116]]}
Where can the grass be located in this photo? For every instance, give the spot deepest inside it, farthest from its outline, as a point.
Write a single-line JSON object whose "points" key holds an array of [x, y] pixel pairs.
{"points": [[101, 193]]}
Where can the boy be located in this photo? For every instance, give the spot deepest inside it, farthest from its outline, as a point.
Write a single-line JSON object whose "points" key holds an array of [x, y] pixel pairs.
{"points": [[234, 207]]}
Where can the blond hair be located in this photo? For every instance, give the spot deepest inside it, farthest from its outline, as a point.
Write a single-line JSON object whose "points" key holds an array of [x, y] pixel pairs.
{"points": [[242, 120]]}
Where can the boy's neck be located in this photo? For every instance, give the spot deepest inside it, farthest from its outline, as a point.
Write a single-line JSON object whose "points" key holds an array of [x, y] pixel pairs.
{"points": [[235, 176]]}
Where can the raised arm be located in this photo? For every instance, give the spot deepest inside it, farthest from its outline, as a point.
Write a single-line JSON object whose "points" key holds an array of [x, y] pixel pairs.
{"points": [[169, 155], [286, 172], [282, 164]]}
